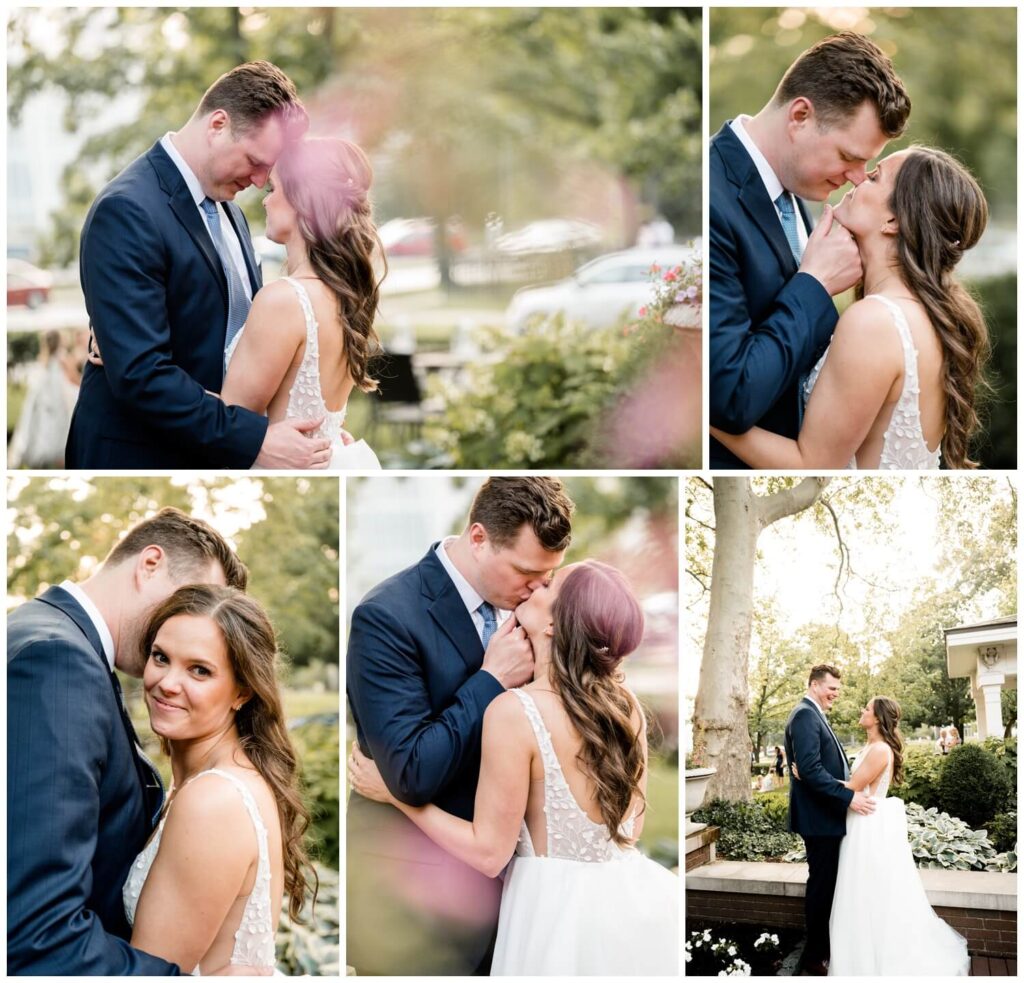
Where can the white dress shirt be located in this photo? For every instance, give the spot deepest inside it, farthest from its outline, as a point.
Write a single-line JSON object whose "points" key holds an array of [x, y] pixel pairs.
{"points": [[772, 184], [95, 617], [469, 596], [198, 195]]}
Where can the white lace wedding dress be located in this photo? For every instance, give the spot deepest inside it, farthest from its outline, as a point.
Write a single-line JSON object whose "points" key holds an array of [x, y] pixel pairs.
{"points": [[306, 400], [254, 938], [589, 907], [903, 446], [882, 923]]}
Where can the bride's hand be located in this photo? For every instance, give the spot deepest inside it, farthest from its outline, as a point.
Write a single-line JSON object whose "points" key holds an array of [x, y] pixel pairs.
{"points": [[346, 437], [364, 777], [792, 768]]}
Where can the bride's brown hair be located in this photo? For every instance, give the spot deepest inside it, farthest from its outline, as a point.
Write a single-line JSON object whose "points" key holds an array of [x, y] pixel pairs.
{"points": [[327, 182], [598, 622], [887, 712], [263, 735], [940, 213]]}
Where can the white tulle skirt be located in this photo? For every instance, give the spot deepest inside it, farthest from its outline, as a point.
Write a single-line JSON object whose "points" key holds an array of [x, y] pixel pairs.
{"points": [[882, 923], [357, 456], [566, 918]]}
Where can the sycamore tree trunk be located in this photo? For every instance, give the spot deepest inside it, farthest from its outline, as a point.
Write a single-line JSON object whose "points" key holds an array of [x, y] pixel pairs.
{"points": [[720, 734]]}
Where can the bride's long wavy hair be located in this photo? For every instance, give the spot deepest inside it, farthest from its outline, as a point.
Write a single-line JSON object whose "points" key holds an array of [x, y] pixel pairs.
{"points": [[263, 735], [327, 182], [597, 623], [940, 213], [887, 712]]}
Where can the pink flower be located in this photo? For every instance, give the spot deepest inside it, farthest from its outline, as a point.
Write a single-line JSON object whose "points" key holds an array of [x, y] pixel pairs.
{"points": [[642, 312], [671, 276], [655, 268]]}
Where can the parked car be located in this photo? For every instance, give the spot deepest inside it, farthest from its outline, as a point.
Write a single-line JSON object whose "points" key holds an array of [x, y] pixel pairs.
{"points": [[601, 292], [27, 285], [552, 235], [417, 237]]}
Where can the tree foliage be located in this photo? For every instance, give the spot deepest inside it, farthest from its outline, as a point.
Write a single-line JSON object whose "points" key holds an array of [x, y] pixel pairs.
{"points": [[63, 527]]}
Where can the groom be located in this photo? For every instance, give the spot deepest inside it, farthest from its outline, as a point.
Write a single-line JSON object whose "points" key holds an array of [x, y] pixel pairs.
{"points": [[168, 272], [428, 650], [772, 277], [818, 801], [81, 798]]}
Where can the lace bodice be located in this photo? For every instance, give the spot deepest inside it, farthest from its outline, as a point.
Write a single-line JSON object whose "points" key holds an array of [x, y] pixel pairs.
{"points": [[903, 446], [571, 833], [254, 938], [305, 399], [881, 786]]}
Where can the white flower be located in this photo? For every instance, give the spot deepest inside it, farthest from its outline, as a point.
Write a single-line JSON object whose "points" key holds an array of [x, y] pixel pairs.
{"points": [[687, 956], [731, 950]]}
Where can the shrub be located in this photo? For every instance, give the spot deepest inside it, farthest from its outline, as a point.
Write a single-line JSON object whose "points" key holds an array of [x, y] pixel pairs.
{"points": [[1006, 752], [940, 840], [1002, 831], [317, 747], [997, 443], [922, 769], [747, 831], [973, 785], [776, 806], [736, 954]]}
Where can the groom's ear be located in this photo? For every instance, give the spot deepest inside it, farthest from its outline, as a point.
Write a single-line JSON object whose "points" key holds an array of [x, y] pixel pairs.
{"points": [[150, 560]]}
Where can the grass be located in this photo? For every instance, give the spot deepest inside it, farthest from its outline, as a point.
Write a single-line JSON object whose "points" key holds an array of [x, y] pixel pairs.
{"points": [[305, 703]]}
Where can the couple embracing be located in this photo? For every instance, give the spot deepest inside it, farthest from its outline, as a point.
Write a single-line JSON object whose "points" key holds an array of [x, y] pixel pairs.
{"points": [[867, 912], [892, 383], [194, 363], [500, 772], [107, 875]]}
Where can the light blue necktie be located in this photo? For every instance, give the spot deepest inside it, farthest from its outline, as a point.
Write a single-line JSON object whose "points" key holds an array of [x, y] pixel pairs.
{"points": [[788, 213], [238, 303], [490, 621]]}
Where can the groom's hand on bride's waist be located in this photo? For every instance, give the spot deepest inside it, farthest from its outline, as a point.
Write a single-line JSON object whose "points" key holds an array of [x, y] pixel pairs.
{"points": [[287, 446], [864, 804], [509, 655], [831, 255]]}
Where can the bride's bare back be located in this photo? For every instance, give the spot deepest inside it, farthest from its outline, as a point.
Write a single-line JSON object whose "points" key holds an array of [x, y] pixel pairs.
{"points": [[566, 743]]}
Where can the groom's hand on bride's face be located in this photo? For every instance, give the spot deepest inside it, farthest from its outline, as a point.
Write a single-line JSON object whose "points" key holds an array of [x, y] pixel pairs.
{"points": [[509, 655], [287, 446], [831, 255]]}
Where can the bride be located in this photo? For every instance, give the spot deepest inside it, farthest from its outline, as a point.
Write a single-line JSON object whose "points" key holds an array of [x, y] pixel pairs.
{"points": [[206, 891], [309, 337], [896, 388], [563, 778], [882, 923]]}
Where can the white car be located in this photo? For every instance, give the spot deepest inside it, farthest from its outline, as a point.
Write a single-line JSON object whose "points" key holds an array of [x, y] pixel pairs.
{"points": [[600, 293]]}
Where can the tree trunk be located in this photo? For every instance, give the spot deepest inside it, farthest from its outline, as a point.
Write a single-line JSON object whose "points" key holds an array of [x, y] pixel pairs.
{"points": [[721, 737], [720, 711]]}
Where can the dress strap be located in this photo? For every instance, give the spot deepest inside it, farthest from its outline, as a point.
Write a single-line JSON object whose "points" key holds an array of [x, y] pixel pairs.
{"points": [[312, 337], [910, 383], [552, 769]]}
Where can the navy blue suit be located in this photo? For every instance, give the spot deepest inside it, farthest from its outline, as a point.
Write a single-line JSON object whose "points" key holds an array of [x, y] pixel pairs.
{"points": [[769, 323], [81, 802], [157, 299], [818, 801], [418, 697]]}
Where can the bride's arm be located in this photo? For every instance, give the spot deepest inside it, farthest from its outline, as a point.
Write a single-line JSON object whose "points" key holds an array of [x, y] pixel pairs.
{"points": [[871, 766], [487, 842], [207, 848], [274, 331], [864, 361]]}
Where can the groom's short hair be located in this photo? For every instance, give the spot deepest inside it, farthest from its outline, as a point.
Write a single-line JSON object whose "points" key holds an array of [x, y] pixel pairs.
{"points": [[253, 92], [820, 672], [189, 544], [839, 74], [504, 505]]}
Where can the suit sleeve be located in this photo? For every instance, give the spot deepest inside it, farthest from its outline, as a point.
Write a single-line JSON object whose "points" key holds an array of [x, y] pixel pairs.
{"points": [[124, 273], [57, 746], [417, 751], [807, 748], [754, 364]]}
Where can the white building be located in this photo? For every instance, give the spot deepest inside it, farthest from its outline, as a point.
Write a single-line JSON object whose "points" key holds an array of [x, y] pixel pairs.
{"points": [[986, 654]]}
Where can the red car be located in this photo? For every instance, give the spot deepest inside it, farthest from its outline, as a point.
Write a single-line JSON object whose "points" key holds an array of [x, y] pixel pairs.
{"points": [[27, 285]]}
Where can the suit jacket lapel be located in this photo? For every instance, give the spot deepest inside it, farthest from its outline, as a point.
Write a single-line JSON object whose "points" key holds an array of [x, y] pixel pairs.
{"points": [[149, 778], [753, 197], [241, 228], [447, 609], [184, 208]]}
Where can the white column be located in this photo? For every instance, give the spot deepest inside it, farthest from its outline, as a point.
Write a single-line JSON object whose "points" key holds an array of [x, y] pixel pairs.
{"points": [[988, 703]]}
